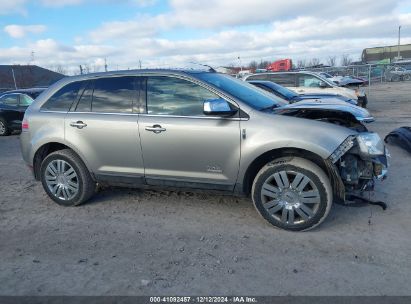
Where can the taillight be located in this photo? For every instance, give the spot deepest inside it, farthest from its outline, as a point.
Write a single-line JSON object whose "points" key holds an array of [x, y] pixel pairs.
{"points": [[25, 124]]}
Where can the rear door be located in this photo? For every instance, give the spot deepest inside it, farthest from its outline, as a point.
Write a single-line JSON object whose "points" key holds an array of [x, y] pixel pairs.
{"points": [[10, 110], [183, 147], [102, 124]]}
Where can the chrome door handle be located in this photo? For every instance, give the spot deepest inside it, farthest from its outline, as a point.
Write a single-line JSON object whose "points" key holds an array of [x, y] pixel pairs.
{"points": [[78, 124], [156, 129]]}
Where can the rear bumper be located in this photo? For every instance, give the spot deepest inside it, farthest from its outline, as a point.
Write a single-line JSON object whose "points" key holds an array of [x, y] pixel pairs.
{"points": [[25, 146]]}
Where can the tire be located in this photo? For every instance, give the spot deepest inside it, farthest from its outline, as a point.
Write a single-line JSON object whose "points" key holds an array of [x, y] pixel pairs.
{"points": [[307, 200], [4, 129], [395, 78], [364, 101], [407, 77], [66, 179]]}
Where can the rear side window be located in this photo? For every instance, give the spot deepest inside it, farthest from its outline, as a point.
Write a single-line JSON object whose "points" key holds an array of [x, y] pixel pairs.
{"points": [[114, 95], [25, 100], [63, 98], [84, 104], [10, 100]]}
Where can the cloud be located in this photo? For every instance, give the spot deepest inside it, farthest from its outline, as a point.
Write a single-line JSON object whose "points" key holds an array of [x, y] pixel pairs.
{"points": [[14, 6], [20, 31], [60, 3], [144, 3], [258, 30]]}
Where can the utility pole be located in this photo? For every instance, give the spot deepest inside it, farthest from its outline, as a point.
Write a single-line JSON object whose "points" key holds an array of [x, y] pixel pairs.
{"points": [[241, 66], [14, 78], [81, 70], [139, 64], [105, 64], [399, 41]]}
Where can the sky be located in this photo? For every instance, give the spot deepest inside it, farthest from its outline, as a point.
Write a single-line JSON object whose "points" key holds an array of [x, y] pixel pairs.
{"points": [[175, 33]]}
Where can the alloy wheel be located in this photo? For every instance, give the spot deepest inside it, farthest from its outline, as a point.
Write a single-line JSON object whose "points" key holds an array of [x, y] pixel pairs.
{"points": [[290, 197], [2, 128], [62, 180]]}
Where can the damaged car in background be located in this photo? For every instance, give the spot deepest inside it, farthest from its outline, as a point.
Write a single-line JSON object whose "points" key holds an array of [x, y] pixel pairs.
{"points": [[186, 129], [328, 109], [305, 82]]}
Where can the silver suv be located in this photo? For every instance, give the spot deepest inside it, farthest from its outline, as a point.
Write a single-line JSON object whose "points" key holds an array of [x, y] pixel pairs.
{"points": [[194, 130]]}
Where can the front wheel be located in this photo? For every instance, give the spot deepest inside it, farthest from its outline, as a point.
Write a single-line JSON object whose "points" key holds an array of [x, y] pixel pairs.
{"points": [[66, 179], [292, 193]]}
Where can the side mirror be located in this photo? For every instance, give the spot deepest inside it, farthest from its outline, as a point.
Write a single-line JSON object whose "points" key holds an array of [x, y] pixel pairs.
{"points": [[323, 85], [217, 107]]}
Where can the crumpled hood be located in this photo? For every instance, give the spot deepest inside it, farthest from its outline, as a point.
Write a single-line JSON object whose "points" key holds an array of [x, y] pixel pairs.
{"points": [[327, 104]]}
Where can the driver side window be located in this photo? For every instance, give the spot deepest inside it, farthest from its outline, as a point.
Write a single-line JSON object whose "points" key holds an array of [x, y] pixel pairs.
{"points": [[175, 96], [309, 81]]}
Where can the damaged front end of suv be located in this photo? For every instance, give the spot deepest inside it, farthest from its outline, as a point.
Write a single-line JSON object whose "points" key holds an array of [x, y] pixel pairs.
{"points": [[355, 166]]}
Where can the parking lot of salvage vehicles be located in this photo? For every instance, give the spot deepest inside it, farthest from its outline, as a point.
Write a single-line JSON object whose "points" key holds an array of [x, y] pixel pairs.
{"points": [[225, 236]]}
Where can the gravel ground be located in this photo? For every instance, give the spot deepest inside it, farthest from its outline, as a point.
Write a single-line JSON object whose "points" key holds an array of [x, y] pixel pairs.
{"points": [[131, 242]]}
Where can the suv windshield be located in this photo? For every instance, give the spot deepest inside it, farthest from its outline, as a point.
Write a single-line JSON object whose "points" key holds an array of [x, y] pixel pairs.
{"points": [[245, 92]]}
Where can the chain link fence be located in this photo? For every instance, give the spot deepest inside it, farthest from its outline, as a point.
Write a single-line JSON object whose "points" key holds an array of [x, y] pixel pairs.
{"points": [[372, 73]]}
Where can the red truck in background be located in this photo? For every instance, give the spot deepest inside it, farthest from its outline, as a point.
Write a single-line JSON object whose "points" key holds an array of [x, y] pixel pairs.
{"points": [[280, 65]]}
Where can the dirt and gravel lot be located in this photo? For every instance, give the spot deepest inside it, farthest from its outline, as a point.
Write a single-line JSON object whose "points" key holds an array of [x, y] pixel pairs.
{"points": [[130, 242]]}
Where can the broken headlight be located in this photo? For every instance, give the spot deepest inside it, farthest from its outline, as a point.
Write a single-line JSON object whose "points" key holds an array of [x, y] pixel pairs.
{"points": [[370, 144], [347, 144]]}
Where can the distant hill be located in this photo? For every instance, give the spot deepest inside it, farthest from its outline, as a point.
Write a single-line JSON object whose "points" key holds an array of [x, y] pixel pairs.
{"points": [[27, 76]]}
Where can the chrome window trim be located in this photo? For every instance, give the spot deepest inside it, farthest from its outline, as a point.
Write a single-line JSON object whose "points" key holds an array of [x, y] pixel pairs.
{"points": [[104, 113], [194, 117], [51, 111], [151, 115]]}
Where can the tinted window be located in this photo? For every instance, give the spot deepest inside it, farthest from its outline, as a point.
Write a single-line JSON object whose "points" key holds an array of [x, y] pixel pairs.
{"points": [[286, 80], [114, 95], [25, 100], [84, 104], [10, 100], [174, 96], [63, 98], [258, 77]]}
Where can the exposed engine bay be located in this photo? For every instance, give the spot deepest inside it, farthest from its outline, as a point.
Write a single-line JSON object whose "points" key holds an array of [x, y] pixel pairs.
{"points": [[341, 118], [359, 161]]}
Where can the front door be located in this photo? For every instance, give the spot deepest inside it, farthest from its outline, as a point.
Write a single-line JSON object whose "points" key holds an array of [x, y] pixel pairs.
{"points": [[307, 84], [182, 146]]}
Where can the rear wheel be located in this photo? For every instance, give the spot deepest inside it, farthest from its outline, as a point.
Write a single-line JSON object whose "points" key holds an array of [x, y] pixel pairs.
{"points": [[4, 130], [292, 193], [364, 101], [66, 179], [407, 77]]}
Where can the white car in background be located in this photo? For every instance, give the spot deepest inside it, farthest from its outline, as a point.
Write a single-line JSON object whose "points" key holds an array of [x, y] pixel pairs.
{"points": [[308, 83]]}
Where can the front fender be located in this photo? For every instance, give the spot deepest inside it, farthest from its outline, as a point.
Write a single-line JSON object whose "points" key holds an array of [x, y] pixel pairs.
{"points": [[265, 132]]}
